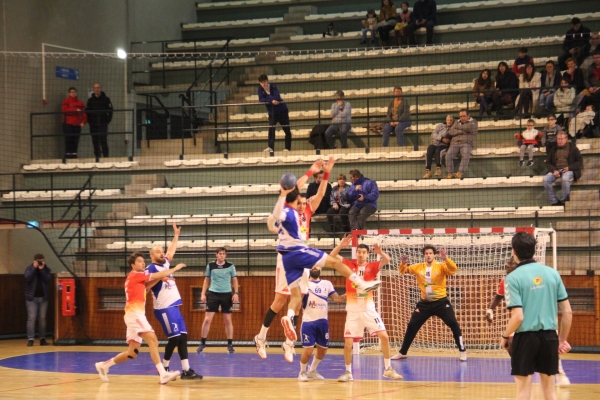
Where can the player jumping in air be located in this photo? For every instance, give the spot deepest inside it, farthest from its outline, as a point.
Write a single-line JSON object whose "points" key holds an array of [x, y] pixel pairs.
{"points": [[167, 301], [297, 257], [315, 325], [138, 328], [360, 308], [305, 210], [431, 278]]}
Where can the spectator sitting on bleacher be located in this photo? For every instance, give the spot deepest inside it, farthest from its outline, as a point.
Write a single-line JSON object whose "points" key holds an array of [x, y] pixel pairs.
{"points": [[529, 83], [575, 76], [464, 135], [565, 162], [564, 97], [340, 205], [313, 189], [527, 141], [387, 21], [582, 123], [440, 140], [363, 194], [522, 61], [278, 112], [550, 132], [507, 86], [592, 82], [369, 26], [482, 88], [398, 116], [404, 18], [341, 113], [423, 15], [575, 39], [550, 79], [585, 55]]}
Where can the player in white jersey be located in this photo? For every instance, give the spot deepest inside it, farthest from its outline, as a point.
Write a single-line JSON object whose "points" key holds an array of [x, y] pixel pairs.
{"points": [[315, 325], [297, 256], [166, 307], [282, 292]]}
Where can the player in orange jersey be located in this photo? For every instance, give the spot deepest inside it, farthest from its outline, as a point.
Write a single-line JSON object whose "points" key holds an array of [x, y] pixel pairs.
{"points": [[360, 308], [138, 328]]}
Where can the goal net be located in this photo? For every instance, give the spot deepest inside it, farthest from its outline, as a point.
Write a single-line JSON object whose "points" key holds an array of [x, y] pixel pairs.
{"points": [[481, 255]]}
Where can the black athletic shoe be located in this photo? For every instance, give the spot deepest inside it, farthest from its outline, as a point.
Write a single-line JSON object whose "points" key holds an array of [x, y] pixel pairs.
{"points": [[230, 349], [167, 369], [200, 348], [29, 343], [190, 375], [43, 342]]}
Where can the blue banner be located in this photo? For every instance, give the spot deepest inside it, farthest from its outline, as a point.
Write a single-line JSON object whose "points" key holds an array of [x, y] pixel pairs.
{"points": [[67, 73]]}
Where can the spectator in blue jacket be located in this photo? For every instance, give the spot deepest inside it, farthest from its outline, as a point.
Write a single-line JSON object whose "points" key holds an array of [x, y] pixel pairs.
{"points": [[363, 194], [423, 15], [278, 112], [341, 113], [37, 288]]}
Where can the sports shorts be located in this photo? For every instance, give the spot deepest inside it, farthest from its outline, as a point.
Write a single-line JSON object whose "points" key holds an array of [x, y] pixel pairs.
{"points": [[136, 323], [357, 321], [171, 321]]}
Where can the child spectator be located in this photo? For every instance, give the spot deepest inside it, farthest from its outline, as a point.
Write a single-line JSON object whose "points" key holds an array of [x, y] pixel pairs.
{"points": [[404, 19], [369, 26], [482, 88], [578, 125], [330, 30], [550, 132], [387, 21], [528, 139], [506, 88], [521, 61], [529, 83]]}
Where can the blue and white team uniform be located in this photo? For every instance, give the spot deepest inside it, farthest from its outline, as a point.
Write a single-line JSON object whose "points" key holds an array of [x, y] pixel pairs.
{"points": [[315, 325], [166, 302], [295, 254]]}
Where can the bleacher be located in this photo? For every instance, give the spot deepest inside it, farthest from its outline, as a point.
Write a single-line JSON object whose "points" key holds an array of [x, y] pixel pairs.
{"points": [[223, 199]]}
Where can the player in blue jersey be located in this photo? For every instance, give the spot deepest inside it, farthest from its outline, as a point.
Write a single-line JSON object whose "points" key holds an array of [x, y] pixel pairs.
{"points": [[297, 256], [315, 325], [166, 306]]}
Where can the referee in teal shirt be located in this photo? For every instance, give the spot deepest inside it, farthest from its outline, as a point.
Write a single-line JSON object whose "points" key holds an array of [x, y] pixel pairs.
{"points": [[220, 289], [534, 293]]}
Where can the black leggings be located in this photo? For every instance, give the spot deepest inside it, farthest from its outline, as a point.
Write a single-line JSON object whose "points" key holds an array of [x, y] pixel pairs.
{"points": [[423, 311], [433, 151]]}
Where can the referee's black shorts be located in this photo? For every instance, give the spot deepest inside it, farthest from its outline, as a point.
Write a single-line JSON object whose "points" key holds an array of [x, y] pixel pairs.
{"points": [[534, 352], [214, 300]]}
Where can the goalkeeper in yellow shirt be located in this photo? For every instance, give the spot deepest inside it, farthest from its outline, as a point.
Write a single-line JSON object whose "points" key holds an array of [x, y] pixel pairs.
{"points": [[431, 278]]}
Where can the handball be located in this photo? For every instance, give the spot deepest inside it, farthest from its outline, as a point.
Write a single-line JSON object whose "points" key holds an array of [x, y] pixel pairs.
{"points": [[288, 181]]}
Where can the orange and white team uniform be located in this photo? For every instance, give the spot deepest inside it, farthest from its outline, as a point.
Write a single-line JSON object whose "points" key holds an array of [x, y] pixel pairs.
{"points": [[281, 285], [135, 305], [360, 308]]}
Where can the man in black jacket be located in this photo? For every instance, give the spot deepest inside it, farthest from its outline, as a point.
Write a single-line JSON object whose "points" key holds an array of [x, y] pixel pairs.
{"points": [[100, 113], [423, 15], [37, 278], [563, 162], [575, 38]]}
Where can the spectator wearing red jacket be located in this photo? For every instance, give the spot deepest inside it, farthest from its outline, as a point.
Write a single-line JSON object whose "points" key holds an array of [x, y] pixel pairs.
{"points": [[74, 118], [527, 140]]}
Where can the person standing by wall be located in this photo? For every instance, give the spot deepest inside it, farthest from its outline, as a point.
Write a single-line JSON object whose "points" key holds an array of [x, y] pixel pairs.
{"points": [[37, 288], [100, 112], [74, 118]]}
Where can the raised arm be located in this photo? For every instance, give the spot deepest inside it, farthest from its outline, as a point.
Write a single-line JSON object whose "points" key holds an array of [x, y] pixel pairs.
{"points": [[316, 167], [385, 258], [173, 247], [448, 266], [403, 266], [166, 272], [317, 198], [343, 243]]}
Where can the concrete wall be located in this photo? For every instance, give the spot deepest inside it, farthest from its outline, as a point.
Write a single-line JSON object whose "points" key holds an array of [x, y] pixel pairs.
{"points": [[18, 247]]}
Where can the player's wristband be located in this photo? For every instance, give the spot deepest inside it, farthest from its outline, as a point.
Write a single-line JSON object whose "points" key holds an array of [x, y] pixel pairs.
{"points": [[308, 174], [326, 176], [505, 337]]}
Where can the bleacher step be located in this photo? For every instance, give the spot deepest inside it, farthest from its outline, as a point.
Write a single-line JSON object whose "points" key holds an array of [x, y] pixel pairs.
{"points": [[109, 233], [203, 145]]}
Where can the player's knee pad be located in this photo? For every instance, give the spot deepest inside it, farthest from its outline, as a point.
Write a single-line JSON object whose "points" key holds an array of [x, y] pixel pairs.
{"points": [[134, 355]]}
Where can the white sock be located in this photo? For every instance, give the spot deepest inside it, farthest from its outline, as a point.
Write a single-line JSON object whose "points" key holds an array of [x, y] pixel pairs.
{"points": [[349, 368], [262, 335], [185, 364], [303, 367], [109, 363], [291, 313], [560, 368], [166, 363], [387, 363], [161, 369], [315, 364]]}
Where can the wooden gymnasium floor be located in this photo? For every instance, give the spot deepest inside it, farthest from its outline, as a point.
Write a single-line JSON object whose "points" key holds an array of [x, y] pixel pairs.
{"points": [[57, 372]]}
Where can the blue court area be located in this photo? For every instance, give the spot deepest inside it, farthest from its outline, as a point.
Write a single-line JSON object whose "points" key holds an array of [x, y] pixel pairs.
{"points": [[365, 367]]}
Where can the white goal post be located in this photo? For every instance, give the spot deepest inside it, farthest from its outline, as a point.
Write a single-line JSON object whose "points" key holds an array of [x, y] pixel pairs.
{"points": [[481, 255]]}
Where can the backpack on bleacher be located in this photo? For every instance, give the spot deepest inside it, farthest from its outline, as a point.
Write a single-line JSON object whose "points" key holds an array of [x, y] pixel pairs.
{"points": [[317, 137]]}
